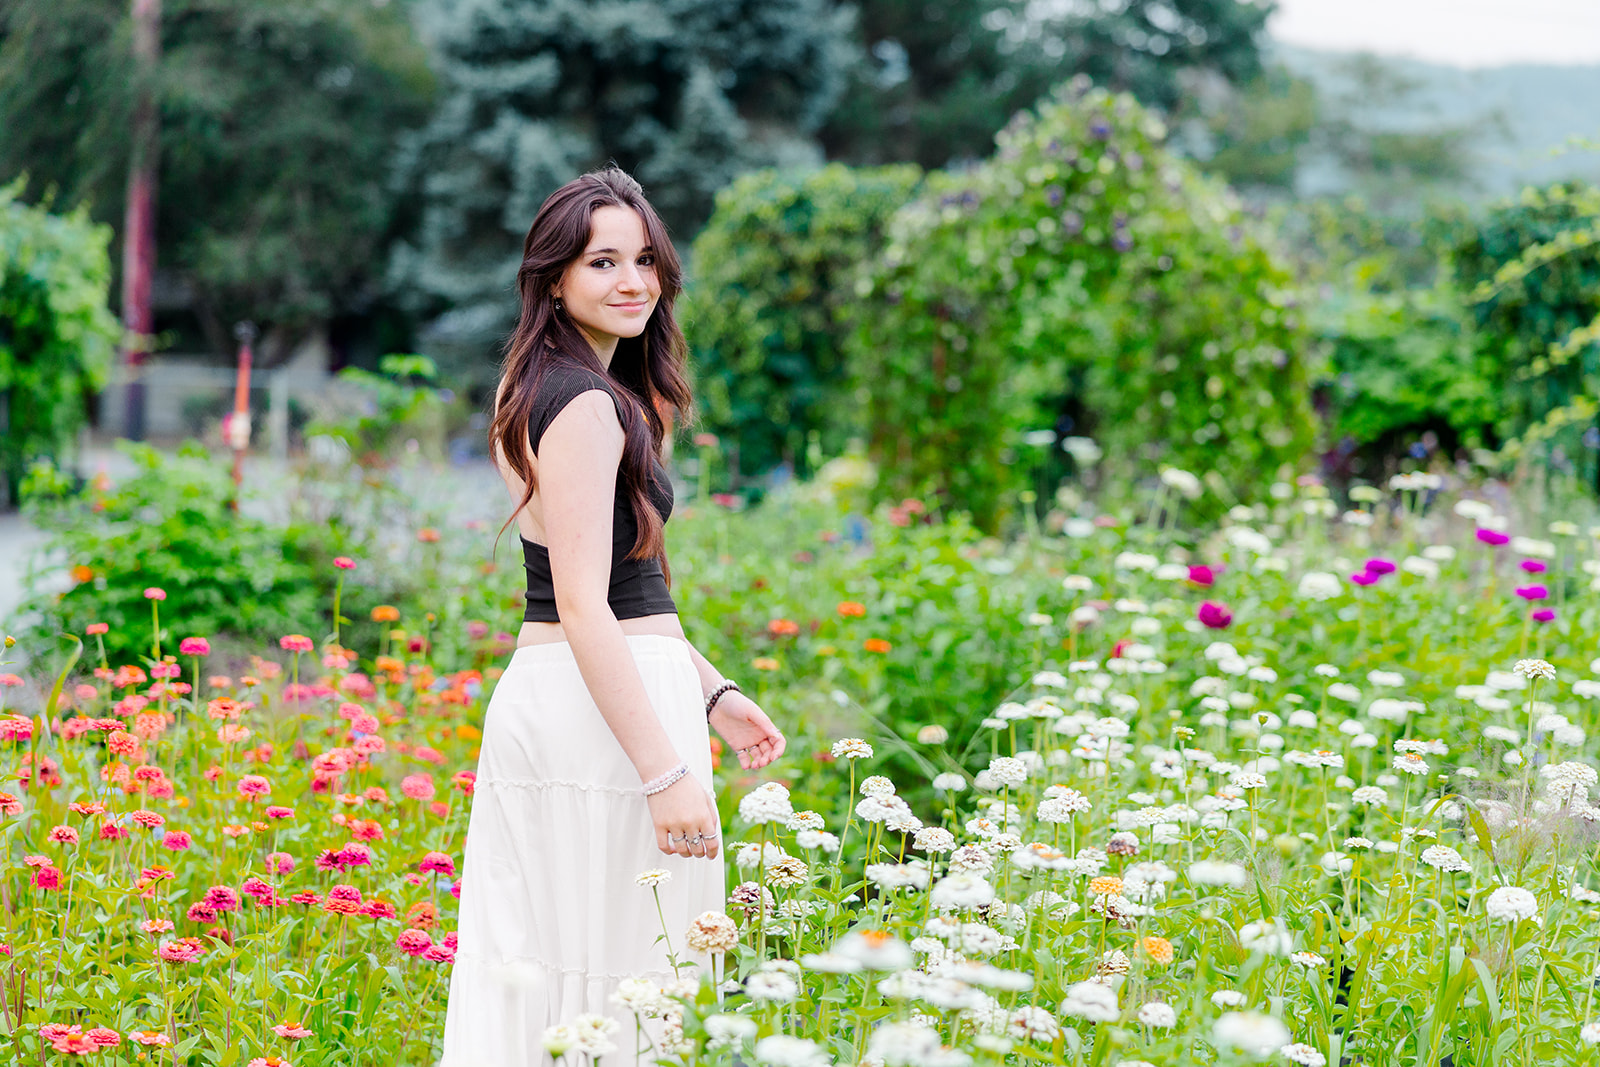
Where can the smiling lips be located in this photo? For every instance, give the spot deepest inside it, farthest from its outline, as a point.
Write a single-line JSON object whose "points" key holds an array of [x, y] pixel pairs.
{"points": [[639, 305]]}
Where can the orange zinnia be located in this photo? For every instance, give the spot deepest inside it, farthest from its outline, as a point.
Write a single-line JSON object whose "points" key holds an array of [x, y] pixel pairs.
{"points": [[783, 627], [1158, 949], [385, 613], [876, 644], [852, 609]]}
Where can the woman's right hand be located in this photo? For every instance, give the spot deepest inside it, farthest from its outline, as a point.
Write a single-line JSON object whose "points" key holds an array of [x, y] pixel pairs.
{"points": [[683, 807]]}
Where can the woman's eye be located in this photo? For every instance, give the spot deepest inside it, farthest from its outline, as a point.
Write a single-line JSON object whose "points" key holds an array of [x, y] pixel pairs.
{"points": [[601, 263], [647, 261]]}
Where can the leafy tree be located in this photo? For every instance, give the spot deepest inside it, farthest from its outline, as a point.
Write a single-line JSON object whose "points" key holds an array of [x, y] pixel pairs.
{"points": [[683, 94], [278, 124], [1082, 268], [57, 337], [1283, 133], [775, 266], [1533, 271], [936, 78]]}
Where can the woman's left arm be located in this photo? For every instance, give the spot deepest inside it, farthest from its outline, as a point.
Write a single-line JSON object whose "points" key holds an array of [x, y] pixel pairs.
{"points": [[738, 719]]}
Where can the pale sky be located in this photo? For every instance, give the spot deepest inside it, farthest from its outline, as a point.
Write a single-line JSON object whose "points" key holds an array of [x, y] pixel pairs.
{"points": [[1463, 33]]}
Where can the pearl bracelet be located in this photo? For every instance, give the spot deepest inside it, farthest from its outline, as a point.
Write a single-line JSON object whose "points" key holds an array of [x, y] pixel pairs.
{"points": [[657, 784], [716, 694]]}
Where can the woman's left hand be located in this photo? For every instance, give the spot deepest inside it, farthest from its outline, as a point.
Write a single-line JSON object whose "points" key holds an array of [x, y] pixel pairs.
{"points": [[747, 730]]}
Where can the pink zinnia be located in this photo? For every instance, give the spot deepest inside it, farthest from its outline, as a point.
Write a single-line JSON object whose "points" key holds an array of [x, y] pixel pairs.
{"points": [[1379, 566], [1492, 537], [278, 811], [1214, 614], [1366, 578], [10, 681], [344, 563], [16, 728], [295, 643], [97, 628], [254, 785], [1533, 566], [177, 840], [153, 593], [413, 942], [280, 863], [74, 1044], [104, 1036], [46, 878], [440, 954], [1544, 615], [147, 819], [181, 950], [63, 835], [291, 1031], [354, 855], [200, 912], [379, 909], [418, 786], [1532, 592], [223, 898], [438, 862], [194, 646]]}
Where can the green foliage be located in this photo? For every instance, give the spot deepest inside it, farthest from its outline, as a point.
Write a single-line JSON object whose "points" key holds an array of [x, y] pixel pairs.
{"points": [[169, 526], [1533, 269], [278, 117], [540, 92], [1086, 269], [374, 414], [57, 337], [773, 268], [1405, 362], [934, 79]]}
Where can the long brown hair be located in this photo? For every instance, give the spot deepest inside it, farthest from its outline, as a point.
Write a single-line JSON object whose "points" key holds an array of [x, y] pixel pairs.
{"points": [[649, 367]]}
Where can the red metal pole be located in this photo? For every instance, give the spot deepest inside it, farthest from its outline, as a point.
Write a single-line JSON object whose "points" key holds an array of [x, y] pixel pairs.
{"points": [[139, 219], [237, 426]]}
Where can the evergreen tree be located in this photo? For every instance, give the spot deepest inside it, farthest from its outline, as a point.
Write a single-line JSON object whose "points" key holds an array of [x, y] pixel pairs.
{"points": [[683, 94], [938, 78], [278, 123]]}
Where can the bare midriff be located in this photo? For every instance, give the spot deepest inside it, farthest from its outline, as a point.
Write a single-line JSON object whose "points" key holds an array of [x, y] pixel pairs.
{"points": [[543, 633]]}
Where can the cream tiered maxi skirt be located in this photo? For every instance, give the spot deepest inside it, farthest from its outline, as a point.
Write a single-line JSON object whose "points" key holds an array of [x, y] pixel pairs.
{"points": [[551, 919]]}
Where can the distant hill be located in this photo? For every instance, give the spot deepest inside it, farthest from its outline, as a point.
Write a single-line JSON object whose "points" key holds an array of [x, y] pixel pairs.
{"points": [[1523, 112]]}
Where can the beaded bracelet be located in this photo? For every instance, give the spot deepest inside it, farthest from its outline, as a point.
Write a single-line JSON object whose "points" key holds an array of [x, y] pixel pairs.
{"points": [[657, 784], [716, 694]]}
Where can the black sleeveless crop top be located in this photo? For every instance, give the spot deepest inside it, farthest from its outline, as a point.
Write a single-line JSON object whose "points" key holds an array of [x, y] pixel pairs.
{"points": [[638, 587]]}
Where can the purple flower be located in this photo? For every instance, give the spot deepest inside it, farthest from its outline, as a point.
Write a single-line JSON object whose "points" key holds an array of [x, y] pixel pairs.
{"points": [[1544, 615], [1366, 578], [1379, 566], [1492, 537], [1200, 574], [1214, 614], [1532, 592], [1099, 129], [1071, 223], [1533, 566]]}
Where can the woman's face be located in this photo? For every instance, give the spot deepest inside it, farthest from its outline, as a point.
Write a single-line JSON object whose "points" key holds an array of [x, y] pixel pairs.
{"points": [[610, 290]]}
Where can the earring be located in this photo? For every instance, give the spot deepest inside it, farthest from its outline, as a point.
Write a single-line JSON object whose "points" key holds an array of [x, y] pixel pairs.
{"points": [[559, 305]]}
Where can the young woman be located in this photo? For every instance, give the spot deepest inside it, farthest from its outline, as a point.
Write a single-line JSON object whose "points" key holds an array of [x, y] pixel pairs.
{"points": [[595, 764]]}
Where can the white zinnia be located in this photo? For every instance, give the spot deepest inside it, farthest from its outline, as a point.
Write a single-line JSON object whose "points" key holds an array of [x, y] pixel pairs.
{"points": [[781, 1050], [1250, 1031], [1092, 1001], [768, 802], [1512, 904]]}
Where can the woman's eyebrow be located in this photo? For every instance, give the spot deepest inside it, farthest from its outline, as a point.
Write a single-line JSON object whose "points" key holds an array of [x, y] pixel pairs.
{"points": [[613, 251]]}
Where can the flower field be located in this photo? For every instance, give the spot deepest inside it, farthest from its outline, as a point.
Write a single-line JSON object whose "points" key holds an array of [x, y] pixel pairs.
{"points": [[1313, 786]]}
